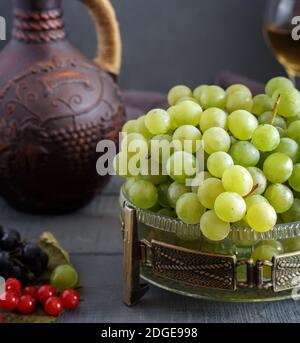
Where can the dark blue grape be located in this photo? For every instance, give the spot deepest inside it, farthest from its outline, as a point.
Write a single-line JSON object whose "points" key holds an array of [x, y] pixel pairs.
{"points": [[6, 263], [19, 272], [36, 268], [35, 258], [15, 233], [44, 259], [10, 240], [31, 252]]}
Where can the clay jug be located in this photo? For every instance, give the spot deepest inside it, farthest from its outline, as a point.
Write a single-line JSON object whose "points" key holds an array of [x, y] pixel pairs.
{"points": [[55, 106]]}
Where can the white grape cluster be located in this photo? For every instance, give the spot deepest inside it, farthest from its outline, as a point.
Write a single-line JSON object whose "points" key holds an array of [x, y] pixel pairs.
{"points": [[251, 167]]}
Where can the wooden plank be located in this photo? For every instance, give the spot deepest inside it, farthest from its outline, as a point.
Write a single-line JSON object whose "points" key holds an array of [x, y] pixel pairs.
{"points": [[93, 229], [101, 276]]}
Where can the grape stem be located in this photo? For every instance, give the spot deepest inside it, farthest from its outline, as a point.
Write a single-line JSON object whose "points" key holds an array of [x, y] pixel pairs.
{"points": [[275, 109], [254, 189]]}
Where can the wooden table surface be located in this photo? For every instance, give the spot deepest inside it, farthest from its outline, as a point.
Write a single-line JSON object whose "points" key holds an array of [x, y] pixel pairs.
{"points": [[92, 236]]}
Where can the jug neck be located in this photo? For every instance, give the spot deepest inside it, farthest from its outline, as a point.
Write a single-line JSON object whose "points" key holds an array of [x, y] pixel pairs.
{"points": [[38, 21]]}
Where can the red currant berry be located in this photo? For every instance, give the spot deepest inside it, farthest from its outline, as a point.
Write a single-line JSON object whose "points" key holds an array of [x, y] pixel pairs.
{"points": [[13, 285], [26, 304], [45, 292], [70, 299], [53, 306], [9, 301], [30, 290]]}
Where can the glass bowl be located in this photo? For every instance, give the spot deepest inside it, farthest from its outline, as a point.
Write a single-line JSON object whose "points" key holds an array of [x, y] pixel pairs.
{"points": [[238, 247]]}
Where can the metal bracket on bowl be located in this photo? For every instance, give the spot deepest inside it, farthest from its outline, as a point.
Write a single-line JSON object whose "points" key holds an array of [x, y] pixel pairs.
{"points": [[214, 271], [286, 272], [195, 268], [133, 289]]}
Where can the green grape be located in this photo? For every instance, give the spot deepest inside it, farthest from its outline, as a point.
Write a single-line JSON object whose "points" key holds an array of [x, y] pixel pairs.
{"points": [[178, 92], [181, 166], [125, 166], [171, 110], [141, 127], [175, 191], [216, 139], [266, 138], [162, 191], [243, 245], [267, 117], [278, 167], [230, 207], [134, 143], [261, 217], [264, 253], [218, 162], [291, 244], [250, 201], [237, 179], [244, 154], [143, 194], [213, 117], [272, 243], [254, 199], [155, 208], [263, 157], [129, 127], [166, 212], [217, 247], [189, 209], [233, 140], [242, 124], [259, 180], [293, 131], [290, 148], [209, 191], [280, 197], [161, 148], [276, 83], [238, 88], [187, 113], [289, 101], [129, 182], [189, 98], [212, 96], [188, 139], [294, 180], [212, 227], [63, 277], [152, 171], [261, 103], [293, 214], [292, 119], [281, 131], [239, 101], [158, 122], [198, 91], [197, 181]]}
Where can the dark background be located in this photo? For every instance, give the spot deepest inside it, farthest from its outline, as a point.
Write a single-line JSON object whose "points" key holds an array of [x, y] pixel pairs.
{"points": [[167, 42]]}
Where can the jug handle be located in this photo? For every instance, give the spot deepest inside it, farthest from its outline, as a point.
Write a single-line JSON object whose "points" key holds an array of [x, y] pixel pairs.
{"points": [[109, 45]]}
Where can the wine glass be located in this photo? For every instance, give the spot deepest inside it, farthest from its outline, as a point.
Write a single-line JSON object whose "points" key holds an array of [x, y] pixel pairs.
{"points": [[282, 32]]}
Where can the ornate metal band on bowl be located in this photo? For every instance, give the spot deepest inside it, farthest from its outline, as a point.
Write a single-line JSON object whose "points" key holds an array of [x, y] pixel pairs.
{"points": [[197, 273]]}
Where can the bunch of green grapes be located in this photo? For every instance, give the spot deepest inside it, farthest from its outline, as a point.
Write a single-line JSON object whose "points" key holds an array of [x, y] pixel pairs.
{"points": [[218, 157]]}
